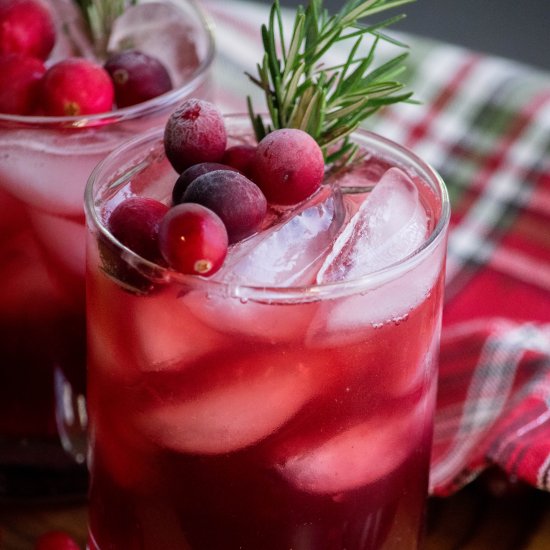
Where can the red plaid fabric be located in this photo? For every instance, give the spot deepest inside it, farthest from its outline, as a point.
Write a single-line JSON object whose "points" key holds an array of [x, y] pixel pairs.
{"points": [[484, 124]]}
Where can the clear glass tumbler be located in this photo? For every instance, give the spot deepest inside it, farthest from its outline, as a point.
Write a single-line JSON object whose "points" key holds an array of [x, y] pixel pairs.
{"points": [[228, 413], [45, 162]]}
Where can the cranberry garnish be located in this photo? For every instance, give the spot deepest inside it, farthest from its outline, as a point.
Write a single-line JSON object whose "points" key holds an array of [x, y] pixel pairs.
{"points": [[193, 240], [76, 86], [137, 77], [19, 83], [240, 157], [56, 540], [191, 174], [233, 197], [288, 166], [135, 223], [27, 28], [194, 133]]}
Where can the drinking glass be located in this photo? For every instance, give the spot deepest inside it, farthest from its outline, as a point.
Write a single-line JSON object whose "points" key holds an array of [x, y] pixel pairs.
{"points": [[228, 413], [45, 162]]}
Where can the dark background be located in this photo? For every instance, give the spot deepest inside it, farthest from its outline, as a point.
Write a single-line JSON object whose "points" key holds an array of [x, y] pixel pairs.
{"points": [[516, 29]]}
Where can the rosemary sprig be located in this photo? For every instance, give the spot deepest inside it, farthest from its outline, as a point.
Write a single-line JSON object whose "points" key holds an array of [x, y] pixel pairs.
{"points": [[100, 16], [327, 102]]}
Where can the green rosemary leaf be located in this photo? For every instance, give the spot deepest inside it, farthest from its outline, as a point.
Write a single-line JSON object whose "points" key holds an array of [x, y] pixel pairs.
{"points": [[312, 28], [329, 102], [348, 151], [296, 40], [374, 29], [362, 10], [280, 27], [345, 111], [292, 87], [349, 62], [260, 131], [385, 70]]}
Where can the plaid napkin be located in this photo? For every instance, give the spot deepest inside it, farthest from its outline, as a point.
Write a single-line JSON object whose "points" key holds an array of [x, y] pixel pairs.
{"points": [[484, 124]]}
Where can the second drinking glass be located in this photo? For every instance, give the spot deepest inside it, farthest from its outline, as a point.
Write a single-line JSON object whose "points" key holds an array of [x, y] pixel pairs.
{"points": [[45, 162]]}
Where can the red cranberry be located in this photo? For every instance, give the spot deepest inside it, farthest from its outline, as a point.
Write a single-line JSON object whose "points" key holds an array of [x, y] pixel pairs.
{"points": [[76, 86], [19, 83], [194, 133], [56, 540], [137, 77], [233, 197], [240, 157], [288, 166], [26, 28], [191, 174], [193, 240], [135, 223]]}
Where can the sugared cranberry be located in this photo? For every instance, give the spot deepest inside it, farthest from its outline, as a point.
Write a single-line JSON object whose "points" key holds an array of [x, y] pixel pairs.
{"points": [[194, 133], [191, 174], [193, 240], [76, 86], [135, 223], [56, 540], [288, 166], [240, 157], [19, 83], [26, 28], [233, 197], [137, 77]]}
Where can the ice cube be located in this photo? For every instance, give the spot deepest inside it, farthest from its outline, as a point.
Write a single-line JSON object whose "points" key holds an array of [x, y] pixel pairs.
{"points": [[73, 39], [355, 457], [287, 253], [250, 398], [48, 170], [161, 30], [252, 320], [344, 321], [26, 293], [166, 336], [108, 350], [390, 224], [143, 333], [63, 240]]}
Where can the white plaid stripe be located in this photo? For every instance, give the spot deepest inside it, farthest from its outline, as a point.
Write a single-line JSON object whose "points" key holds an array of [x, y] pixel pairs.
{"points": [[488, 394], [466, 425], [468, 241]]}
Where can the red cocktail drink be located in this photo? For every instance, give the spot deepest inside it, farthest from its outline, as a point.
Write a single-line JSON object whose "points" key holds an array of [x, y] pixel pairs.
{"points": [[287, 401], [46, 161]]}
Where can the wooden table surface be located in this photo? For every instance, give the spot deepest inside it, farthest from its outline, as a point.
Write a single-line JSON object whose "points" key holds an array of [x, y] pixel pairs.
{"points": [[483, 516]]}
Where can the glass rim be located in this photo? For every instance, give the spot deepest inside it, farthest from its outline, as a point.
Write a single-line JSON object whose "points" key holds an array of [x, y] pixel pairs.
{"points": [[262, 293], [144, 108]]}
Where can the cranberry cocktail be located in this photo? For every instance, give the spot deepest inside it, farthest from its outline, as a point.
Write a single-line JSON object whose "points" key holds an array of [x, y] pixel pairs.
{"points": [[69, 94], [285, 400]]}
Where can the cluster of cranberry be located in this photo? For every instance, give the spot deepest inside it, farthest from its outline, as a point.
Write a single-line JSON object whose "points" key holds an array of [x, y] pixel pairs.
{"points": [[70, 87], [221, 194]]}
